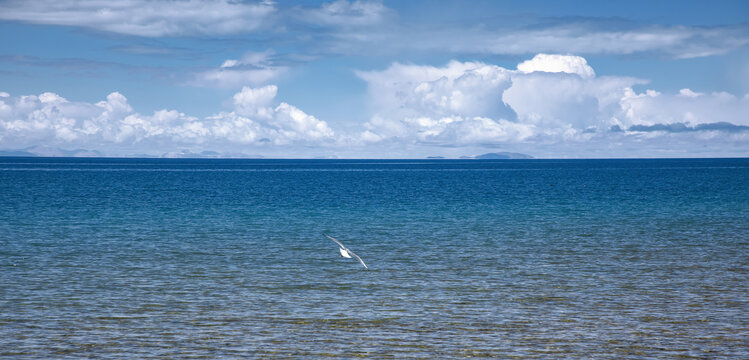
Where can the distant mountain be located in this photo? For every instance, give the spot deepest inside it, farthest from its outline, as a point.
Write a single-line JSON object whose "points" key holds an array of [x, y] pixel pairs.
{"points": [[15, 153], [503, 155], [47, 151], [208, 155], [435, 157]]}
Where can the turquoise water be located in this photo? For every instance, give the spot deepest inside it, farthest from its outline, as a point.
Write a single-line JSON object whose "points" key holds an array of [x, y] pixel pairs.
{"points": [[157, 258]]}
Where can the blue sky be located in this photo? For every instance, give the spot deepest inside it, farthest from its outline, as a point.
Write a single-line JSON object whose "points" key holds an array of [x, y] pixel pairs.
{"points": [[402, 79]]}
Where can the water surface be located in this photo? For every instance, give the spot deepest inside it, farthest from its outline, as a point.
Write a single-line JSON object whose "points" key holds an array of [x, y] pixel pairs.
{"points": [[159, 258]]}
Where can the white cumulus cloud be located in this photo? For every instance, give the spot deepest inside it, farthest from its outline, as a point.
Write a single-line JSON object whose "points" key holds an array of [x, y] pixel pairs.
{"points": [[431, 104], [551, 105], [458, 104], [112, 125], [686, 107], [558, 63], [549, 101]]}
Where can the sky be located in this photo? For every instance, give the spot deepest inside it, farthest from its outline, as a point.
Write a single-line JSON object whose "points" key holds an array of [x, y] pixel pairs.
{"points": [[376, 79]]}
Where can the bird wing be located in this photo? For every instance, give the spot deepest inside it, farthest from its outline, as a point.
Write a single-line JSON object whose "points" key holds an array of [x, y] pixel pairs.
{"points": [[347, 250], [358, 258], [336, 241]]}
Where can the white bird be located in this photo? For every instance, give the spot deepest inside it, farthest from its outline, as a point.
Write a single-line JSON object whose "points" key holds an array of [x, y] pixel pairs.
{"points": [[345, 252]]}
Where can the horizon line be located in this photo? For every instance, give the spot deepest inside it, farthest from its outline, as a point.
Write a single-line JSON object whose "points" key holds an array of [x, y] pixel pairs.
{"points": [[405, 158]]}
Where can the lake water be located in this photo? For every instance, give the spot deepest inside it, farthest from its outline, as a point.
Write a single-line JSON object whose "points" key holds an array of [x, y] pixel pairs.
{"points": [[190, 258]]}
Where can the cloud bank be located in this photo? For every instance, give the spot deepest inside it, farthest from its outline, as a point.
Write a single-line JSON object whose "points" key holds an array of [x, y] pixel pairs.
{"points": [[371, 28], [571, 35], [551, 103], [599, 38], [143, 17], [549, 106], [255, 122]]}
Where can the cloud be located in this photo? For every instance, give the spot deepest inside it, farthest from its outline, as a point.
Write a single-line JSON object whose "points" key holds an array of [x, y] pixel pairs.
{"points": [[143, 17], [558, 63], [342, 13], [112, 124], [566, 36], [283, 124], [449, 106], [468, 89], [549, 101], [592, 38], [254, 68], [564, 101], [371, 28], [255, 102], [651, 108], [550, 106]]}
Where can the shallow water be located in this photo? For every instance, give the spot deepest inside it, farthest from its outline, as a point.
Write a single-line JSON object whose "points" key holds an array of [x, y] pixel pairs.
{"points": [[155, 258]]}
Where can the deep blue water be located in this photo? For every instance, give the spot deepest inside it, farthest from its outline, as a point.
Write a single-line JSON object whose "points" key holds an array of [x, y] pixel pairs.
{"points": [[159, 258]]}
